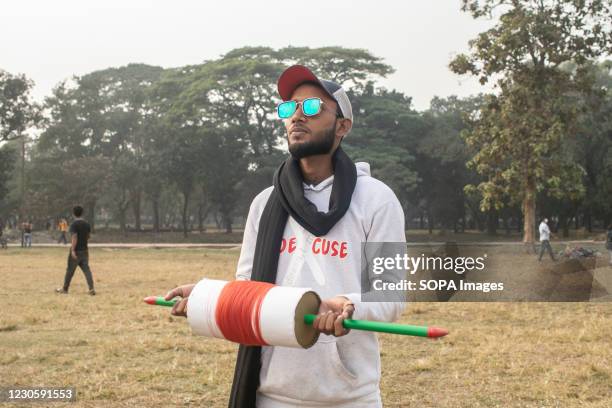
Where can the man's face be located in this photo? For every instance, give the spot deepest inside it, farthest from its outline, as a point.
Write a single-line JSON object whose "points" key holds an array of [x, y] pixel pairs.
{"points": [[312, 135]]}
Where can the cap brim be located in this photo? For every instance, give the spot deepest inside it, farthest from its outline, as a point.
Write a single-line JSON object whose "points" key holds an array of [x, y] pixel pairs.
{"points": [[293, 77]]}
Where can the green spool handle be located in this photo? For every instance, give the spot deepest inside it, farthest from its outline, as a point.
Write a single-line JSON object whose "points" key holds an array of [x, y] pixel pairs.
{"points": [[383, 327], [159, 301]]}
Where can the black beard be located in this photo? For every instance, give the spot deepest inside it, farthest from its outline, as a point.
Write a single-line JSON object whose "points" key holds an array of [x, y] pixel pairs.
{"points": [[324, 146]]}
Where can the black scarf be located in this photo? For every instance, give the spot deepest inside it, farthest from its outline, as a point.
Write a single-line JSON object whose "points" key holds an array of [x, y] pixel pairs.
{"points": [[287, 198]]}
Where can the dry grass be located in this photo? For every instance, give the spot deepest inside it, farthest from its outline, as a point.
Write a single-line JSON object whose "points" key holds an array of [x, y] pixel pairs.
{"points": [[119, 352]]}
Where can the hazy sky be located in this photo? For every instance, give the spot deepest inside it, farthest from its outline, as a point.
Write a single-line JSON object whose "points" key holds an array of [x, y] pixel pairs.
{"points": [[52, 40]]}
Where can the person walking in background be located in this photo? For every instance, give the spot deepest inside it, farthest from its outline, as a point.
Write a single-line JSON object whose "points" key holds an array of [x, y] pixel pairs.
{"points": [[63, 227], [609, 242], [80, 232], [27, 234], [3, 243], [545, 240]]}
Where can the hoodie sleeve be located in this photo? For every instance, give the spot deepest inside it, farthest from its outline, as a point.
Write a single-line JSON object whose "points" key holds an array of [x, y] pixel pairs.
{"points": [[387, 225]]}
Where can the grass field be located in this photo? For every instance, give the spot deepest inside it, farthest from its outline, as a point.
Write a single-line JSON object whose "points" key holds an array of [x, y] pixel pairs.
{"points": [[119, 352]]}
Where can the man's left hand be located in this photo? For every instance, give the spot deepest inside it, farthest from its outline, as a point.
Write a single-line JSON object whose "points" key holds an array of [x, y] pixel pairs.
{"points": [[332, 312]]}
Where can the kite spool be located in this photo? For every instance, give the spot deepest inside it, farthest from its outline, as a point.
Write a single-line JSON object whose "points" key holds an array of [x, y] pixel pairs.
{"points": [[263, 314], [253, 313]]}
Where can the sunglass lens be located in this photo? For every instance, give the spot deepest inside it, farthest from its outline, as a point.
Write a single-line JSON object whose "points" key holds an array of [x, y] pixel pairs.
{"points": [[286, 109], [311, 106]]}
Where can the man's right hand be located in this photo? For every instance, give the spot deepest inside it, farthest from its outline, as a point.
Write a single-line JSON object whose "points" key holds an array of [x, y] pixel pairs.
{"points": [[180, 307]]}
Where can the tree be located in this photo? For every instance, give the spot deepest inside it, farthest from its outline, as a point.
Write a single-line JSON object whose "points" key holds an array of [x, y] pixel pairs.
{"points": [[354, 68], [8, 157], [18, 113], [223, 173], [520, 134], [76, 129], [56, 185], [182, 158], [385, 138], [593, 148], [102, 114], [17, 110], [154, 169], [128, 107], [441, 156]]}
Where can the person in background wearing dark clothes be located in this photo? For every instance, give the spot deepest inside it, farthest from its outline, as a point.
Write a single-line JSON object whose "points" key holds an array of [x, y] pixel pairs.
{"points": [[27, 234], [3, 242], [78, 256]]}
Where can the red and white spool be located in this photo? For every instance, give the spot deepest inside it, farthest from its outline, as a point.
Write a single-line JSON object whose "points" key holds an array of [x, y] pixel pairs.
{"points": [[261, 313]]}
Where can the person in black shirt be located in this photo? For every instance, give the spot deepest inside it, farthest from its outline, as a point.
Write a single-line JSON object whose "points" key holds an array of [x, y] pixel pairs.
{"points": [[78, 256]]}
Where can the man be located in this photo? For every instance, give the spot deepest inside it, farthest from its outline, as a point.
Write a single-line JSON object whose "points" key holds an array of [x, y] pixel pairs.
{"points": [[27, 234], [545, 240], [320, 209], [79, 255], [63, 227]]}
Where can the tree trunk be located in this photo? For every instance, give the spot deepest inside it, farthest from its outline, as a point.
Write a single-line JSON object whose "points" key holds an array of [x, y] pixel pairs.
{"points": [[155, 204], [200, 219], [506, 221], [576, 221], [91, 215], [564, 221], [203, 211], [22, 183], [123, 207], [227, 222], [477, 218], [136, 199], [588, 221], [492, 222], [185, 208], [218, 220], [529, 215], [122, 220]]}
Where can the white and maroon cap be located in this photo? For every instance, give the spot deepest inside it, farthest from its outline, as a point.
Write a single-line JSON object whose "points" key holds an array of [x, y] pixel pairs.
{"points": [[296, 75]]}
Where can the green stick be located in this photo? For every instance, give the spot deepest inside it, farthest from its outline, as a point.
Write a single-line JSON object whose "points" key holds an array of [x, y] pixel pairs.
{"points": [[159, 301], [368, 325], [384, 327]]}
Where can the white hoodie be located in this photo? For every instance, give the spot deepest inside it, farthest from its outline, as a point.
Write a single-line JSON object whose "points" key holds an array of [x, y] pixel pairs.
{"points": [[544, 232], [335, 372]]}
